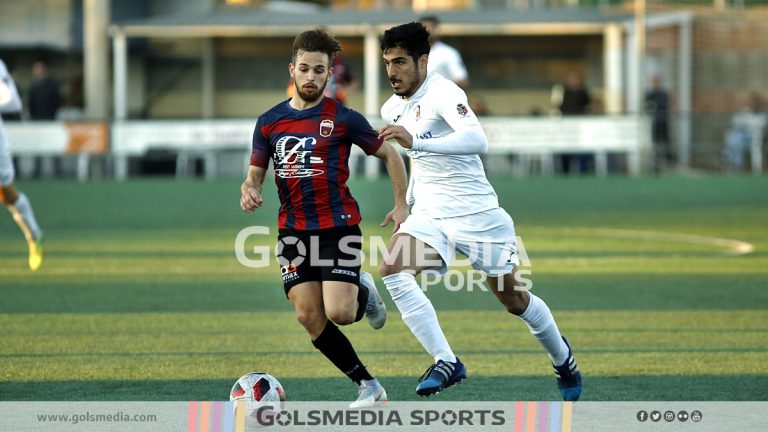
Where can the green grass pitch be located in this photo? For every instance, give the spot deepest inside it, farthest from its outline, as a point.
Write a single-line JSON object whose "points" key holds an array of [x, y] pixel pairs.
{"points": [[141, 297]]}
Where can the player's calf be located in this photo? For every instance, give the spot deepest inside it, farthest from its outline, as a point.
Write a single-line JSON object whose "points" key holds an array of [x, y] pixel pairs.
{"points": [[515, 301]]}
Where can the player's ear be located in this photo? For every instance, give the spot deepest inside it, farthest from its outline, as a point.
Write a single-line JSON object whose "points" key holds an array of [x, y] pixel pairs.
{"points": [[423, 60], [290, 69]]}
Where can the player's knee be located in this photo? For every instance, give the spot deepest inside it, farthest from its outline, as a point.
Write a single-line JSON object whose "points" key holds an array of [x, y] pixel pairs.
{"points": [[310, 320], [341, 316], [8, 194]]}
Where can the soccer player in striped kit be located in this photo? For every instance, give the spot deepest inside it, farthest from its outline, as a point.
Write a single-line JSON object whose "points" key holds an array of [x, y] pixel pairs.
{"points": [[308, 138]]}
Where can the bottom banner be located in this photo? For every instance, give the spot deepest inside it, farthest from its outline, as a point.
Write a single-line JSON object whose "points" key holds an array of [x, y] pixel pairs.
{"points": [[205, 416]]}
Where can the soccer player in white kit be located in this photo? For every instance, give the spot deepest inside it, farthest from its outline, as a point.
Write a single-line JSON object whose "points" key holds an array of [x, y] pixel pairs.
{"points": [[454, 207], [16, 202]]}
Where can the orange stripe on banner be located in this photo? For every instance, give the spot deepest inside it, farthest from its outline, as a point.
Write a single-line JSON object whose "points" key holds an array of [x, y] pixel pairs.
{"points": [[240, 416], [519, 416], [205, 416], [530, 418], [192, 417], [567, 416]]}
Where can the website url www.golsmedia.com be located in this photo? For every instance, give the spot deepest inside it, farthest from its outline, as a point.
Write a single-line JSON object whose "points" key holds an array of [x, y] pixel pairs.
{"points": [[87, 417]]}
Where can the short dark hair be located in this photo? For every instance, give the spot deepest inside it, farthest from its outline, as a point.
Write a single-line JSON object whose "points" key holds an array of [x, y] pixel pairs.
{"points": [[317, 40], [412, 37], [430, 19]]}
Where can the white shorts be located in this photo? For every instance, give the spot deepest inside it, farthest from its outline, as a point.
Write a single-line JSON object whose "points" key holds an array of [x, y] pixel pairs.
{"points": [[6, 163], [487, 239]]}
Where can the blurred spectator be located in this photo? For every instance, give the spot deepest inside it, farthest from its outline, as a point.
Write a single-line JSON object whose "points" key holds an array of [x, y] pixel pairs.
{"points": [[575, 101], [747, 130], [44, 96], [443, 58], [342, 81], [657, 105]]}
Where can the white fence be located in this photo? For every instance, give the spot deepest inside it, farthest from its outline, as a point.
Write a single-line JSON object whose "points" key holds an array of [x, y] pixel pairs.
{"points": [[534, 141]]}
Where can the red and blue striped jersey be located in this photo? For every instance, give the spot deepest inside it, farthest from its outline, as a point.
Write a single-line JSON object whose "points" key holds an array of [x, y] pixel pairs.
{"points": [[310, 153]]}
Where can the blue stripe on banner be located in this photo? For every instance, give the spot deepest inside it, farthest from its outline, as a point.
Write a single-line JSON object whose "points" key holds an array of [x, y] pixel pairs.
{"points": [[229, 417], [554, 416]]}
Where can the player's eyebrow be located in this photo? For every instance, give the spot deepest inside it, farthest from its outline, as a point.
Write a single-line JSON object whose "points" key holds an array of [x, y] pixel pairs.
{"points": [[312, 66]]}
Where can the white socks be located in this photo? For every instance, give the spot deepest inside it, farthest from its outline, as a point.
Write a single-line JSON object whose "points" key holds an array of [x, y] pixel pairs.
{"points": [[25, 218], [540, 321], [419, 315]]}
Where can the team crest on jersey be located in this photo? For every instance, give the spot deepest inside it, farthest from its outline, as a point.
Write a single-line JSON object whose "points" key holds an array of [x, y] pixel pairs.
{"points": [[418, 112], [326, 128], [462, 109]]}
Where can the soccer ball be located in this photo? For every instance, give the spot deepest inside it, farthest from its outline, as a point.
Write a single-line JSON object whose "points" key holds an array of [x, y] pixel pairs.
{"points": [[257, 388]]}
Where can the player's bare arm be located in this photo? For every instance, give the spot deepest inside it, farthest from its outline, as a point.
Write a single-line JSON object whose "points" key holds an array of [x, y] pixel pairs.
{"points": [[398, 134], [396, 169], [250, 190]]}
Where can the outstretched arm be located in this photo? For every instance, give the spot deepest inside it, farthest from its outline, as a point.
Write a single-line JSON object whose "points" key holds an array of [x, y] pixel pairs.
{"points": [[396, 171], [250, 190], [466, 140]]}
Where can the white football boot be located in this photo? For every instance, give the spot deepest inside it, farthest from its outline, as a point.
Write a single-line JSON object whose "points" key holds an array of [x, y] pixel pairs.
{"points": [[371, 394], [375, 310]]}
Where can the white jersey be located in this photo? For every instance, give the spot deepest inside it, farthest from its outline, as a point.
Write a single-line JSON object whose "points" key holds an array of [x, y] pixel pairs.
{"points": [[441, 185], [446, 60], [9, 96], [9, 102]]}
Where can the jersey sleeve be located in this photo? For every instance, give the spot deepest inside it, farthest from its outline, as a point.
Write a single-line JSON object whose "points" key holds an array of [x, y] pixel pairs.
{"points": [[362, 134], [260, 149], [9, 95], [467, 136], [454, 108]]}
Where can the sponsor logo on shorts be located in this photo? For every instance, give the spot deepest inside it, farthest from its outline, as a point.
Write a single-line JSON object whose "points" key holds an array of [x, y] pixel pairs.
{"points": [[289, 272], [349, 273]]}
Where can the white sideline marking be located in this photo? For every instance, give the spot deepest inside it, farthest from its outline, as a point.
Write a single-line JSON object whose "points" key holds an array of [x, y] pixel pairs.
{"points": [[735, 247]]}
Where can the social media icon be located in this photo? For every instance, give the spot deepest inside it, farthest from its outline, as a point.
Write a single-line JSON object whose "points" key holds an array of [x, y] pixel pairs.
{"points": [[682, 416], [655, 416], [696, 416], [669, 416], [642, 416]]}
